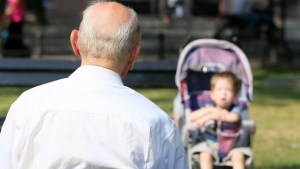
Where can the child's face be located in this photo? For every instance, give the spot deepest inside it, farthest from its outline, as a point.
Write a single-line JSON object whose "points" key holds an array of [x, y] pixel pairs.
{"points": [[223, 93]]}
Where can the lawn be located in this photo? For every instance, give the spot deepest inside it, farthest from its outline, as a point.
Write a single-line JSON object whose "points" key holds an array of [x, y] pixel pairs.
{"points": [[274, 109]]}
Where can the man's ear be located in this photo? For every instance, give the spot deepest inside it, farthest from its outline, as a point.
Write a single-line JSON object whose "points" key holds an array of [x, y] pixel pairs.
{"points": [[134, 55], [74, 40]]}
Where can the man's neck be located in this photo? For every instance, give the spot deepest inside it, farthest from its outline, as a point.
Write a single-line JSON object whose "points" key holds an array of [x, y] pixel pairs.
{"points": [[105, 63]]}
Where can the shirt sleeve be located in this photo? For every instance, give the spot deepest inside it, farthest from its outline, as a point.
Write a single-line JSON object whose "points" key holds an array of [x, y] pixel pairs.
{"points": [[10, 137], [6, 142], [236, 109], [174, 152]]}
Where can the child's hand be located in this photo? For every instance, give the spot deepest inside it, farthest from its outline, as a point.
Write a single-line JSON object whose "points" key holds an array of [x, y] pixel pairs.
{"points": [[200, 116], [219, 114]]}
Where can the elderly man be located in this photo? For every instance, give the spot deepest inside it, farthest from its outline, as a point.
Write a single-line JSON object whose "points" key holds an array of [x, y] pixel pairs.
{"points": [[90, 119]]}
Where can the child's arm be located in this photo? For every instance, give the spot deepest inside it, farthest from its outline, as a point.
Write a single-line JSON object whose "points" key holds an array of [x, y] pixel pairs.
{"points": [[200, 116], [224, 115]]}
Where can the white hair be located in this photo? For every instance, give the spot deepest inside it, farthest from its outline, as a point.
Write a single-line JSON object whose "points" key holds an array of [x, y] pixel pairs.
{"points": [[106, 42]]}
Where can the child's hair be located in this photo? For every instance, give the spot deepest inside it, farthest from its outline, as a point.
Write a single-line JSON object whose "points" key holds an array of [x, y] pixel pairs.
{"points": [[236, 83]]}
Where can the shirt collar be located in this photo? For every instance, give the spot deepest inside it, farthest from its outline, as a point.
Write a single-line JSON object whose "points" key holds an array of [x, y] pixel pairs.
{"points": [[89, 72]]}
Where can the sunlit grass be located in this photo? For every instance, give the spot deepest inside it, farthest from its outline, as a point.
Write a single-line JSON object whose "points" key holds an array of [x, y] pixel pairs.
{"points": [[7, 96], [277, 142]]}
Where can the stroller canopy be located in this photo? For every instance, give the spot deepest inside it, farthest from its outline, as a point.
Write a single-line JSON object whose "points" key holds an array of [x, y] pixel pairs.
{"points": [[201, 53]]}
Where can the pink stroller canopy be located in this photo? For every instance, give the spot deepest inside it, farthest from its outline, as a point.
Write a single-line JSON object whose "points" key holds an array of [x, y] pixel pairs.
{"points": [[199, 54]]}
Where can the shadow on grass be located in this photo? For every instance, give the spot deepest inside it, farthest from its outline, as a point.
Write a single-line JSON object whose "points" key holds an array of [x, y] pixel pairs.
{"points": [[274, 95], [277, 93]]}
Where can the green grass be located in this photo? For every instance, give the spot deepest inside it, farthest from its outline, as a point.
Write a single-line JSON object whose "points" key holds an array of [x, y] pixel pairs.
{"points": [[276, 112], [7, 96]]}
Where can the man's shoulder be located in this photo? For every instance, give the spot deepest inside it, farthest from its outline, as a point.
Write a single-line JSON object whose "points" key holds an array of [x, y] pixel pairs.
{"points": [[148, 110], [46, 86], [143, 103], [41, 90]]}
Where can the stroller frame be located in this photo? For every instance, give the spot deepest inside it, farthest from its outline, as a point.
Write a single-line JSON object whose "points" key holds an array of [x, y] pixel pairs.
{"points": [[185, 64]]}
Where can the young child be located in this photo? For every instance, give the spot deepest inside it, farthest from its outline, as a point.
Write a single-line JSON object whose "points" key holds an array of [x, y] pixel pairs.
{"points": [[225, 87]]}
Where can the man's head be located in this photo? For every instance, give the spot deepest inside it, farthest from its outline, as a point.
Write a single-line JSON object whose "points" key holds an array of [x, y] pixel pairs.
{"points": [[225, 87], [108, 36]]}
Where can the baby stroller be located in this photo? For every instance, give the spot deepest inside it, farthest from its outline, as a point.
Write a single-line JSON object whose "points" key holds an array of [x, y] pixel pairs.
{"points": [[198, 61]]}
